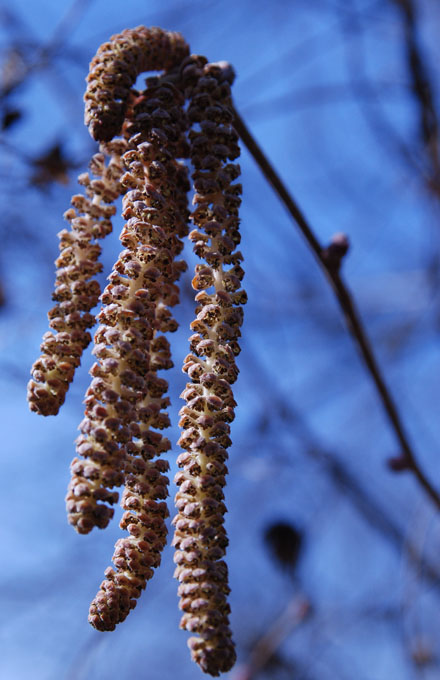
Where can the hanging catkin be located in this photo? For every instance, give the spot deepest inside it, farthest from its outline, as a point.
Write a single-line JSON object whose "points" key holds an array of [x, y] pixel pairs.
{"points": [[183, 113]]}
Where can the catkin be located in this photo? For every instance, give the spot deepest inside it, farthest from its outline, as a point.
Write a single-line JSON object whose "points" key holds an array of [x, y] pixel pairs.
{"points": [[76, 291], [136, 306], [200, 537], [157, 219], [185, 112], [114, 69]]}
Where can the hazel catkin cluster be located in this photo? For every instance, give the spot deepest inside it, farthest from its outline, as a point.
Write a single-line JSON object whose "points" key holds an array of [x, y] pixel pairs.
{"points": [[184, 113]]}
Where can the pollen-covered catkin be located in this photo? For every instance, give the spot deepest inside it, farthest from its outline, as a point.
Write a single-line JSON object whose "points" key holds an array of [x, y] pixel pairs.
{"points": [[76, 291], [121, 436], [136, 306], [146, 486], [200, 537], [114, 69]]}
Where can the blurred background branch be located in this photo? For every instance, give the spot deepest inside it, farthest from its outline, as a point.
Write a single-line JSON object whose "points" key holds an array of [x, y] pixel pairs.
{"points": [[330, 259]]}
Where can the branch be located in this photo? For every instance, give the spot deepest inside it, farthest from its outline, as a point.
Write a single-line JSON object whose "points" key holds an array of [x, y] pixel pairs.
{"points": [[294, 614], [42, 54], [422, 90], [329, 259], [377, 118], [351, 486]]}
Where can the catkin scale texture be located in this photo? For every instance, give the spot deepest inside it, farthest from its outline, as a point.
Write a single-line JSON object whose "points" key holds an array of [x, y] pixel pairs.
{"points": [[183, 113], [136, 308], [76, 291], [114, 69], [200, 537], [157, 140]]}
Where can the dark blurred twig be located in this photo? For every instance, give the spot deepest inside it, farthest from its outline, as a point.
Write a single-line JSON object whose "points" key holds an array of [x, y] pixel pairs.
{"points": [[319, 95], [422, 90], [372, 107], [41, 56], [350, 485], [296, 611], [330, 267]]}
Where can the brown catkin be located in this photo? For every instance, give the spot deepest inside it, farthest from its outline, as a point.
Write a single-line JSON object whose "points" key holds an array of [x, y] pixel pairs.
{"points": [[157, 217], [136, 307], [200, 537], [121, 439], [114, 69], [76, 291]]}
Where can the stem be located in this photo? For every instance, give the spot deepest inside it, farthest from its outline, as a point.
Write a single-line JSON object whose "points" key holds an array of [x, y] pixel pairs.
{"points": [[351, 315], [295, 613]]}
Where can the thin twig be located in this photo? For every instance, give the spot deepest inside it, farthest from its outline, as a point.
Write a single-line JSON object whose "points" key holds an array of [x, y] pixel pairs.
{"points": [[332, 93], [351, 315], [372, 108], [422, 90], [294, 614], [351, 486], [43, 54]]}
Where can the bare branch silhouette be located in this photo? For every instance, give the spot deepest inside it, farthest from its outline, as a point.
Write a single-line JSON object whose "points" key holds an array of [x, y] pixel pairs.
{"points": [[329, 260]]}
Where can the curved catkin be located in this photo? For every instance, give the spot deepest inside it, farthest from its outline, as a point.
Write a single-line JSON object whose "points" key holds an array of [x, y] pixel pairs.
{"points": [[76, 291], [185, 112], [126, 396], [200, 537], [114, 69], [159, 195]]}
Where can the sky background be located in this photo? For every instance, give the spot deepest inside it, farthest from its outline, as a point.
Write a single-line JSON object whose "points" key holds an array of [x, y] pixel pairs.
{"points": [[325, 88]]}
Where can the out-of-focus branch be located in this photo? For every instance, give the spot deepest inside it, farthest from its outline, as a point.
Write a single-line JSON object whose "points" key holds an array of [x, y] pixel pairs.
{"points": [[296, 611], [422, 90], [372, 108], [41, 55], [352, 488], [329, 260], [319, 95]]}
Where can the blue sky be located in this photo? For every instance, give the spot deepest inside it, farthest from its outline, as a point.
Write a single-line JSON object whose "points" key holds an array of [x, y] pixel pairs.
{"points": [[301, 73]]}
